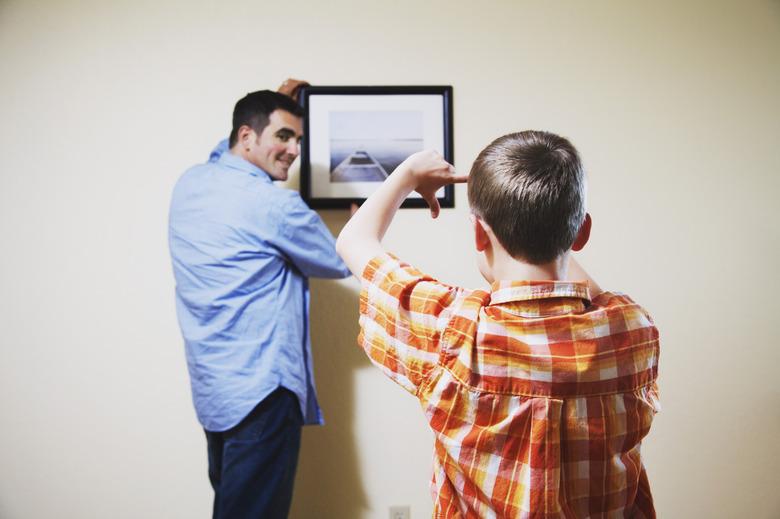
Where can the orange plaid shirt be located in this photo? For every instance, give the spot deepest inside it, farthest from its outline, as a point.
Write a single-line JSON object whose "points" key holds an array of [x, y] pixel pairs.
{"points": [[537, 396]]}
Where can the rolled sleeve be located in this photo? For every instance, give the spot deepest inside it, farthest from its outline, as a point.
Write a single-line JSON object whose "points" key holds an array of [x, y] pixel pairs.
{"points": [[402, 315]]}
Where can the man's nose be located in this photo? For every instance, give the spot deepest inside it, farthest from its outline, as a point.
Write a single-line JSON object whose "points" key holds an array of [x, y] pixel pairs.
{"points": [[293, 147]]}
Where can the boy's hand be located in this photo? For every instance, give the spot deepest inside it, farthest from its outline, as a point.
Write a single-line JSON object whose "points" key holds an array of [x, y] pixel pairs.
{"points": [[360, 239], [427, 172]]}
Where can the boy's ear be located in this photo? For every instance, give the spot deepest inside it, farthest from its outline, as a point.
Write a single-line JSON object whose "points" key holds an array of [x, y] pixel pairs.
{"points": [[481, 239], [583, 234]]}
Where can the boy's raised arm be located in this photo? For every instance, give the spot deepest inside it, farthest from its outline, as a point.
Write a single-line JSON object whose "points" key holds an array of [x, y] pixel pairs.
{"points": [[360, 239]]}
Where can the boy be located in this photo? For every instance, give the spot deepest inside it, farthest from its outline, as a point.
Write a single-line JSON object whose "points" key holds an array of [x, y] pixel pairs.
{"points": [[539, 391]]}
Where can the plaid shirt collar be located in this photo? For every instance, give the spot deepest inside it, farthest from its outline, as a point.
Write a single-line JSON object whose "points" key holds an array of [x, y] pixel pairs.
{"points": [[514, 291], [533, 299]]}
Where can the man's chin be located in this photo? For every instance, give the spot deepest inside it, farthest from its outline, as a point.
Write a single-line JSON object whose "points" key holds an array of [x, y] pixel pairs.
{"points": [[280, 174]]}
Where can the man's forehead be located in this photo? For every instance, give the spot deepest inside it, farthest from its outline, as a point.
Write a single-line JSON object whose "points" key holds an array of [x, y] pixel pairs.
{"points": [[284, 119], [280, 121]]}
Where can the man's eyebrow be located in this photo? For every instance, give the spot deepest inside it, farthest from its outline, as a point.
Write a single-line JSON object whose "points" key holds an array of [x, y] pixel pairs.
{"points": [[288, 132]]}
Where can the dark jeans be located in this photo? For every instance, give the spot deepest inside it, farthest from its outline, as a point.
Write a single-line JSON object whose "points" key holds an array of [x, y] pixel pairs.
{"points": [[252, 466]]}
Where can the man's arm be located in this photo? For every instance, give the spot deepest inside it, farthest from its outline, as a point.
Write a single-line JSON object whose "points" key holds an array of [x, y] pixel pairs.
{"points": [[304, 239], [425, 172]]}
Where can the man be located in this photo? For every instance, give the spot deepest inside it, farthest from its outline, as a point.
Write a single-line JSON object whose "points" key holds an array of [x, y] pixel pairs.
{"points": [[242, 251]]}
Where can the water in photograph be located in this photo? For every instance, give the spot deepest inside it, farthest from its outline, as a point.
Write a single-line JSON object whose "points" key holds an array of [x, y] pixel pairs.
{"points": [[389, 153]]}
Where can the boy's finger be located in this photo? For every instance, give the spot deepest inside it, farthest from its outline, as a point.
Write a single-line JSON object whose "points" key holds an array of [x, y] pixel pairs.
{"points": [[454, 177], [433, 203]]}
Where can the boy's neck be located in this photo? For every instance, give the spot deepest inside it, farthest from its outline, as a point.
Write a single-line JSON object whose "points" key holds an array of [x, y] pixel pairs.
{"points": [[507, 268]]}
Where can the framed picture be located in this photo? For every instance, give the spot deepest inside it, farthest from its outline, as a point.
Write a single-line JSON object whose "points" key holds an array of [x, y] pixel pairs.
{"points": [[355, 136]]}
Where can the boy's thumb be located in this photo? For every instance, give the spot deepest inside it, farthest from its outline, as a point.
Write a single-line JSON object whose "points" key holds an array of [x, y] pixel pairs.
{"points": [[433, 203]]}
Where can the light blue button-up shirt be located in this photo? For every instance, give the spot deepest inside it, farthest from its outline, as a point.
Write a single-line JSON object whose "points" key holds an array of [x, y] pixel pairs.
{"points": [[242, 250]]}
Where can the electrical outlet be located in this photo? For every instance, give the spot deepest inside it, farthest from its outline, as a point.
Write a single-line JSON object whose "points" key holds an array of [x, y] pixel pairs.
{"points": [[400, 512]]}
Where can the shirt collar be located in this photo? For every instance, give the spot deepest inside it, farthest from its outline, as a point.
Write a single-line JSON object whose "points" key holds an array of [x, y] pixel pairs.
{"points": [[235, 162], [510, 291]]}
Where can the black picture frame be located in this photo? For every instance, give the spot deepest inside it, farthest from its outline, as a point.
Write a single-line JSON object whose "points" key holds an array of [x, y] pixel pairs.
{"points": [[390, 122]]}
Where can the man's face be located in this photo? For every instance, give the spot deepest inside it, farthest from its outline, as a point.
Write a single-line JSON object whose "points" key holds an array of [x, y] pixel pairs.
{"points": [[277, 146]]}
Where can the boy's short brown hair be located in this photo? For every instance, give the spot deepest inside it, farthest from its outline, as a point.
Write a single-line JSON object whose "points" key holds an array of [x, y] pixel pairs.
{"points": [[529, 187]]}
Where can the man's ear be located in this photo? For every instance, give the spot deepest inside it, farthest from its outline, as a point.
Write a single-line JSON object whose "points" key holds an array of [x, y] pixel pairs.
{"points": [[481, 239], [583, 235], [245, 136]]}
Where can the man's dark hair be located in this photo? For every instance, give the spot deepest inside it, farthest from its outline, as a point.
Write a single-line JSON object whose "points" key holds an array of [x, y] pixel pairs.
{"points": [[254, 109], [529, 187]]}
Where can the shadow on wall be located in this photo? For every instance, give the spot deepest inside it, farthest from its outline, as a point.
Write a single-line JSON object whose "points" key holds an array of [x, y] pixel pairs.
{"points": [[328, 482]]}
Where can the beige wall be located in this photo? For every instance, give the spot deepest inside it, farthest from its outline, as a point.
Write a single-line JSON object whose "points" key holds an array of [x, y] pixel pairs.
{"points": [[674, 106]]}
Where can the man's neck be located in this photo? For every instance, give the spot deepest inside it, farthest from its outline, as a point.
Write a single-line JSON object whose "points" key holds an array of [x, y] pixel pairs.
{"points": [[236, 150]]}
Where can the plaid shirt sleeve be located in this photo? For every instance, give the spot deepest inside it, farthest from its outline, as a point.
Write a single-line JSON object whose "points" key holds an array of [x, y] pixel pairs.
{"points": [[402, 315]]}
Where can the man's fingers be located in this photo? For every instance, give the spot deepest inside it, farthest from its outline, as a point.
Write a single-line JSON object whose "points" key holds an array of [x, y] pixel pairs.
{"points": [[291, 87]]}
